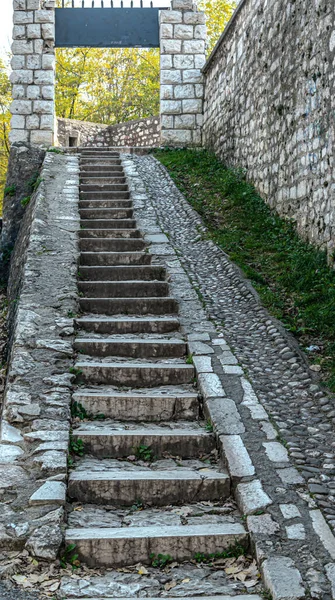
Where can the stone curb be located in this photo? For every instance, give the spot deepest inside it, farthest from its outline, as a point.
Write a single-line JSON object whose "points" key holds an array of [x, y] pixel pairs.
{"points": [[220, 406], [36, 412]]}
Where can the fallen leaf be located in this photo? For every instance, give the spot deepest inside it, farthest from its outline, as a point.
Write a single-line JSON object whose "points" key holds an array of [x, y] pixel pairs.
{"points": [[250, 583], [143, 571], [187, 580], [170, 584]]}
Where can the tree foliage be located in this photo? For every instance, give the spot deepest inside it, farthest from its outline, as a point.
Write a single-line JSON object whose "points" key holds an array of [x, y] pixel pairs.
{"points": [[5, 99], [218, 13]]}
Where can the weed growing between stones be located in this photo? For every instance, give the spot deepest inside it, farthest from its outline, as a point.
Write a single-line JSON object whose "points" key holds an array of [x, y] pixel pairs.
{"points": [[56, 150], [76, 446], [233, 551], [144, 453], [79, 412], [209, 426], [69, 557], [161, 560], [10, 190], [189, 360], [291, 276]]}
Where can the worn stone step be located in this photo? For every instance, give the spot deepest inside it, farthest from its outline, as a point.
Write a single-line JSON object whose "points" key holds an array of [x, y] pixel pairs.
{"points": [[155, 488], [101, 195], [99, 161], [124, 273], [159, 404], [124, 546], [129, 306], [107, 224], [137, 374], [124, 325], [106, 213], [123, 289], [105, 203], [230, 597], [131, 348], [97, 152], [103, 186], [101, 171], [103, 179], [115, 258], [112, 244], [110, 439], [110, 233]]}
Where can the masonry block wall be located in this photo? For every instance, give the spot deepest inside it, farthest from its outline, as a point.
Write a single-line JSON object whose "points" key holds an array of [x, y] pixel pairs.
{"points": [[33, 74], [182, 36], [270, 106]]}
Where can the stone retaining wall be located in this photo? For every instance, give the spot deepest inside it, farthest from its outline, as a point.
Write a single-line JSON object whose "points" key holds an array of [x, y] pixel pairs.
{"points": [[35, 424], [270, 105], [143, 132]]}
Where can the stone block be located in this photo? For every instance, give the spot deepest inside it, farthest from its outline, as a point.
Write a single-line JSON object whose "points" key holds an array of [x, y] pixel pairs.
{"points": [[184, 91], [282, 578], [166, 61], [44, 77], [183, 61], [33, 31], [192, 106], [276, 452], [237, 457], [33, 92], [171, 46], [23, 76], [194, 46], [324, 532], [19, 32], [21, 107], [22, 47], [51, 492], [34, 4], [224, 415], [34, 61], [210, 386], [166, 92], [251, 497], [192, 76], [33, 122], [48, 61], [199, 61], [176, 137], [290, 511], [18, 62], [48, 31], [183, 32], [330, 571], [170, 76], [44, 16], [23, 17], [19, 5], [263, 524], [295, 532], [18, 135], [43, 107], [167, 122], [48, 92], [171, 107], [47, 122], [17, 122], [290, 476], [202, 364], [194, 18], [200, 32], [9, 453], [171, 16], [182, 4], [18, 91], [199, 90], [38, 46], [166, 30]]}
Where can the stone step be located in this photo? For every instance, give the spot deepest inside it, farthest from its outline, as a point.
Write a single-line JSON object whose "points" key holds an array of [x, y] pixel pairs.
{"points": [[101, 195], [123, 289], [102, 179], [230, 597], [100, 153], [131, 348], [106, 213], [99, 161], [129, 306], [105, 203], [110, 439], [112, 244], [124, 273], [136, 374], [107, 224], [124, 325], [110, 233], [97, 170], [103, 186], [159, 404], [115, 258], [154, 488], [124, 546]]}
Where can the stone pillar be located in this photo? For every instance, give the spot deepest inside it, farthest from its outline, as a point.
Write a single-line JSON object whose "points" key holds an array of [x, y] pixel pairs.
{"points": [[182, 43], [33, 72]]}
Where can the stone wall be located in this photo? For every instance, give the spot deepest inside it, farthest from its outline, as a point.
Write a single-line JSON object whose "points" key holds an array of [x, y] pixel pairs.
{"points": [[143, 132], [32, 77], [270, 106], [42, 294], [183, 37]]}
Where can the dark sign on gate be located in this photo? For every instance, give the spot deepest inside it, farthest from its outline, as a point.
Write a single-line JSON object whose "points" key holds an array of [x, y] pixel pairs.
{"points": [[107, 27]]}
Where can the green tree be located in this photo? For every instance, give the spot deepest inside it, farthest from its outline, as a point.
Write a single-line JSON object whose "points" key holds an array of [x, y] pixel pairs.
{"points": [[5, 99], [218, 13]]}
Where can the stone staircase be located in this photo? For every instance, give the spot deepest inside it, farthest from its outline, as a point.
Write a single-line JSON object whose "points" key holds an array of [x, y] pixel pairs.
{"points": [[150, 481]]}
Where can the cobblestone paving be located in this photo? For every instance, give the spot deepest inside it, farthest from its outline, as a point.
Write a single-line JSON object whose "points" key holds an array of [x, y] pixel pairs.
{"points": [[304, 414]]}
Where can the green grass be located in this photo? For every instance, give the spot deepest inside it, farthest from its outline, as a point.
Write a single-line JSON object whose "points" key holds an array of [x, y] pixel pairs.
{"points": [[291, 276]]}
